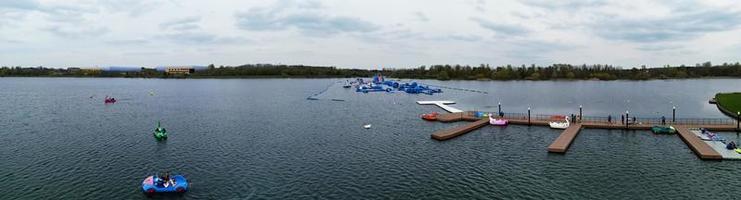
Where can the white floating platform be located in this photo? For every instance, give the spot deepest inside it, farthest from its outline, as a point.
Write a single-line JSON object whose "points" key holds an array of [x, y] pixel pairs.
{"points": [[441, 104], [720, 147]]}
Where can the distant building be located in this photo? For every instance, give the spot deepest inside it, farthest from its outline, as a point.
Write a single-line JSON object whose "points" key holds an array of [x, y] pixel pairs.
{"points": [[181, 69], [123, 69], [94, 70]]}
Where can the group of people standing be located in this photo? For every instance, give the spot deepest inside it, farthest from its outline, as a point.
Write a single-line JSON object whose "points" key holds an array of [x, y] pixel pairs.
{"points": [[631, 120], [623, 120]]}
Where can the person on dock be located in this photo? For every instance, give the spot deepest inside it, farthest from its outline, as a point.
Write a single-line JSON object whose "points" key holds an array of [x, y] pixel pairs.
{"points": [[663, 120], [622, 119], [609, 119]]}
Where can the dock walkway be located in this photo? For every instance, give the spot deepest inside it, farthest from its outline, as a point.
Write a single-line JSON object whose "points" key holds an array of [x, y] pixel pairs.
{"points": [[719, 147], [447, 134], [454, 117], [563, 142], [702, 149]]}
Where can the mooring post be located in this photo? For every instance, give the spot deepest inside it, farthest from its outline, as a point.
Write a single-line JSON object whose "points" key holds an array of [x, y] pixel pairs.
{"points": [[528, 116], [738, 120], [580, 114], [627, 119], [674, 114]]}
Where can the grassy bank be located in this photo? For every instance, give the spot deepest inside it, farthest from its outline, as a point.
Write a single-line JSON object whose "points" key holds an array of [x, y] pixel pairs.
{"points": [[729, 103]]}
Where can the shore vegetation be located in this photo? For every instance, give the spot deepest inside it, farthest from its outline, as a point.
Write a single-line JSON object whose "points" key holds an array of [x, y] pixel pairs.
{"points": [[439, 72], [729, 103]]}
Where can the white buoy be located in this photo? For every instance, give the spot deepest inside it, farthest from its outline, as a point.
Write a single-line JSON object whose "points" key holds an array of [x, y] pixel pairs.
{"points": [[367, 126]]}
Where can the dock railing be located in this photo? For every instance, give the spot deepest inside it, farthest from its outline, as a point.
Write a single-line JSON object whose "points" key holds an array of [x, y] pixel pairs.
{"points": [[617, 120]]}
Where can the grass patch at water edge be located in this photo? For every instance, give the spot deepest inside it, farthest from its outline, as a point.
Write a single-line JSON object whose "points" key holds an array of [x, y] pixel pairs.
{"points": [[729, 103]]}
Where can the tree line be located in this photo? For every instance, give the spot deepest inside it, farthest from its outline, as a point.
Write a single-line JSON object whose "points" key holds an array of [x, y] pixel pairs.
{"points": [[565, 72], [440, 72]]}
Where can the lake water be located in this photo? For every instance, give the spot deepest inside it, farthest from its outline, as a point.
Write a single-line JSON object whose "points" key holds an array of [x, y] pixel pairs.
{"points": [[261, 139]]}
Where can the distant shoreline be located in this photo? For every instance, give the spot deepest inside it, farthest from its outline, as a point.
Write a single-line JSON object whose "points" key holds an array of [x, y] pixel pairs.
{"points": [[555, 72], [329, 77]]}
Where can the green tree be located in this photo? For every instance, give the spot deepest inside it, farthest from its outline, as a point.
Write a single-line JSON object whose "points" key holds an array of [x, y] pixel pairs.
{"points": [[570, 75], [443, 75], [534, 76]]}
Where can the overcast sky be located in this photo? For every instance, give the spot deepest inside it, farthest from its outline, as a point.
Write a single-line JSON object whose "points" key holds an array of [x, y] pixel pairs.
{"points": [[367, 33]]}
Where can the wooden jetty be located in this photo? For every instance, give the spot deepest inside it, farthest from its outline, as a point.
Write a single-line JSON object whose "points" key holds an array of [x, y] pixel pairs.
{"points": [[700, 148], [447, 134], [719, 146], [563, 142], [458, 116]]}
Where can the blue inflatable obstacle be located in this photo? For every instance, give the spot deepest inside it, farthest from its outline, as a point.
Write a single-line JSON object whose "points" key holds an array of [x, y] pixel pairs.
{"points": [[379, 84], [157, 184], [414, 88], [372, 88]]}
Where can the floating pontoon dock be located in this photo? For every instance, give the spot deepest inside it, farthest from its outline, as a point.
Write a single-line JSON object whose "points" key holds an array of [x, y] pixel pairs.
{"points": [[459, 116], [562, 143], [702, 149], [459, 130], [707, 150], [718, 146]]}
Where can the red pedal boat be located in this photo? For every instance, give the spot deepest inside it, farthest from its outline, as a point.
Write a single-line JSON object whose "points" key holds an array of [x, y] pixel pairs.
{"points": [[109, 100], [430, 116]]}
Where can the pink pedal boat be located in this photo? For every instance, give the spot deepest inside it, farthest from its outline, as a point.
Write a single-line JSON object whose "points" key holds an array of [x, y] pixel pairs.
{"points": [[498, 122]]}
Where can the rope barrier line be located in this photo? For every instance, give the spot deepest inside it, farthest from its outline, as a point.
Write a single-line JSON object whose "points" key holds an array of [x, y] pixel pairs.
{"points": [[314, 96], [460, 89]]}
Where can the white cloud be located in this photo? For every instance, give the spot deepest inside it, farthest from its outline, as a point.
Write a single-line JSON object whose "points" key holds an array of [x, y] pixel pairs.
{"points": [[187, 23], [421, 17], [305, 16], [368, 34]]}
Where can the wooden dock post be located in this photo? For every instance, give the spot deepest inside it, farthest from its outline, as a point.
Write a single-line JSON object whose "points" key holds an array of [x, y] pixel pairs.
{"points": [[528, 116], [580, 114], [627, 119]]}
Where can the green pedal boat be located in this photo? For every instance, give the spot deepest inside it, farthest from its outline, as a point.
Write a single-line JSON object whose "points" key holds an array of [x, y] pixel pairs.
{"points": [[160, 133], [663, 130]]}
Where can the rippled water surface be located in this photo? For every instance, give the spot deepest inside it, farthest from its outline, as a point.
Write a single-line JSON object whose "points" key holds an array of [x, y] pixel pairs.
{"points": [[261, 139]]}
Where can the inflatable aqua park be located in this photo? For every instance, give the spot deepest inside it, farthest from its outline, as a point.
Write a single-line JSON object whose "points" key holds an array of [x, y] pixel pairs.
{"points": [[160, 133], [379, 84], [164, 184]]}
